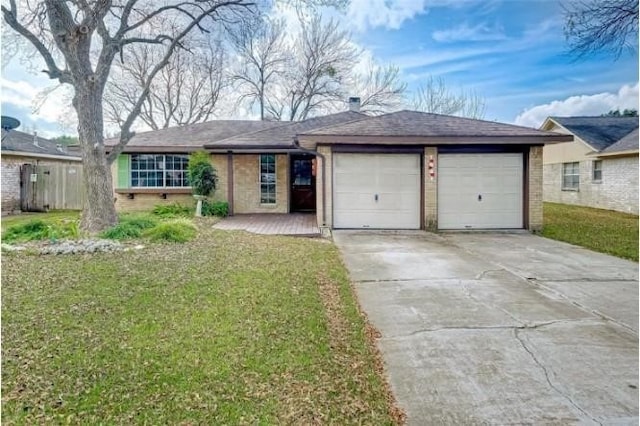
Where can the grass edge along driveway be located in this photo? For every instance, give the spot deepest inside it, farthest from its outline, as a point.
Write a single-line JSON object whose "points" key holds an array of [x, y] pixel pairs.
{"points": [[604, 231], [230, 328]]}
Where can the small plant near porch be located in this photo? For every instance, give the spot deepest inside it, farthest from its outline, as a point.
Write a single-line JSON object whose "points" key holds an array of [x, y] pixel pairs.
{"points": [[202, 177]]}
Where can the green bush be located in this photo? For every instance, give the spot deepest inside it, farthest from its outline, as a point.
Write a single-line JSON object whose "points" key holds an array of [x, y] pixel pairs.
{"points": [[129, 227], [178, 231], [215, 208], [173, 210], [38, 229], [202, 176]]}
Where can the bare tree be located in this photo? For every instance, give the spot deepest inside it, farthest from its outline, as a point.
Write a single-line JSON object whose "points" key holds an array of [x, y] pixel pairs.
{"points": [[434, 96], [263, 60], [601, 25], [186, 91], [379, 88], [322, 60], [79, 40]]}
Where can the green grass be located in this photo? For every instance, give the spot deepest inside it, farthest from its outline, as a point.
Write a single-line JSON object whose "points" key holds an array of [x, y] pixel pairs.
{"points": [[51, 216], [177, 231], [130, 226], [600, 230], [231, 328]]}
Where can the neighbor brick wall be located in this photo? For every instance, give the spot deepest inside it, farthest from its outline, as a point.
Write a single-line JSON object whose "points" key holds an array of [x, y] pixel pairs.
{"points": [[326, 152], [618, 189], [246, 182], [430, 190], [535, 189]]}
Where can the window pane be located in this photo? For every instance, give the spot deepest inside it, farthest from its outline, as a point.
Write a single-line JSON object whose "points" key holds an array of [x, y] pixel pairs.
{"points": [[267, 179]]}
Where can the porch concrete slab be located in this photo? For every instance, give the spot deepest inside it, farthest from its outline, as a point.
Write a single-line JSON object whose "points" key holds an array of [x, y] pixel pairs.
{"points": [[500, 328], [302, 224]]}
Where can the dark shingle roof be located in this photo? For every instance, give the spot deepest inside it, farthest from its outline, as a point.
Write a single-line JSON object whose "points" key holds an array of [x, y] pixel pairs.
{"points": [[193, 136], [627, 143], [422, 124], [17, 141], [599, 132], [282, 136]]}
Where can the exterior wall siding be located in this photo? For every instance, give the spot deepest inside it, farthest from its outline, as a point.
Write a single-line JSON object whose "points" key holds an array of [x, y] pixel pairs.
{"points": [[246, 182], [535, 189], [10, 177], [618, 189]]}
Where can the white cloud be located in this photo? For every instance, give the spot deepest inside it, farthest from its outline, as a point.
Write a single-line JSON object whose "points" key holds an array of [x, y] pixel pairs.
{"points": [[583, 105], [50, 105], [383, 13], [464, 32]]}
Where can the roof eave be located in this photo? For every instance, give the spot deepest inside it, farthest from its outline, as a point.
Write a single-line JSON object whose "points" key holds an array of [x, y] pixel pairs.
{"points": [[39, 155], [436, 140], [624, 153]]}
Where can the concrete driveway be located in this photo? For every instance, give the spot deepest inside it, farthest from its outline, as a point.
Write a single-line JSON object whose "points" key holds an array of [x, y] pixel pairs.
{"points": [[498, 328]]}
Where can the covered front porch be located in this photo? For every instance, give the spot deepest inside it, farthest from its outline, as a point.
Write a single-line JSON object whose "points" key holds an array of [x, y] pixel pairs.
{"points": [[298, 224]]}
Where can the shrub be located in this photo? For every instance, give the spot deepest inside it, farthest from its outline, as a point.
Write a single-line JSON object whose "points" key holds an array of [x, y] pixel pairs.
{"points": [[215, 208], [178, 231], [172, 210], [202, 176], [129, 227], [38, 229]]}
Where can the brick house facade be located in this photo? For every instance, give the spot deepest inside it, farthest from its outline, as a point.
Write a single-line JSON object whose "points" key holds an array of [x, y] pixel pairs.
{"points": [[603, 157], [311, 166]]}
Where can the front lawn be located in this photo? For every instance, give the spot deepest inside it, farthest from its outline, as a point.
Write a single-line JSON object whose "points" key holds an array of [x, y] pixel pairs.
{"points": [[230, 328], [600, 230]]}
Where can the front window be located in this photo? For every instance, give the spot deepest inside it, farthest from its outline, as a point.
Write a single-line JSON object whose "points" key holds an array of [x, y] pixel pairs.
{"points": [[268, 179], [571, 176], [159, 171], [597, 171]]}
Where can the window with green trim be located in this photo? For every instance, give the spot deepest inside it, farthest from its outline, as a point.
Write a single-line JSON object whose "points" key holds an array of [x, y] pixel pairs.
{"points": [[159, 171], [267, 179]]}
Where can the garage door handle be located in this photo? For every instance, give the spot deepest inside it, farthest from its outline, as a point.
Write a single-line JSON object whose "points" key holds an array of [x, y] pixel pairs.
{"points": [[479, 197], [376, 197]]}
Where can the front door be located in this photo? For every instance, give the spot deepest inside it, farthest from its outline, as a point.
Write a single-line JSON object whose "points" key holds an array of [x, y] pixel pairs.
{"points": [[303, 184]]}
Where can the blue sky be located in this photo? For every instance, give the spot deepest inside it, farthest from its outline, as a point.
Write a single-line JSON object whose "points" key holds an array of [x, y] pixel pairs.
{"points": [[511, 52]]}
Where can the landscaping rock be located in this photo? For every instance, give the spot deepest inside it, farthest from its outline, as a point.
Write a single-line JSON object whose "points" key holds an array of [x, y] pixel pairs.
{"points": [[82, 246], [9, 247]]}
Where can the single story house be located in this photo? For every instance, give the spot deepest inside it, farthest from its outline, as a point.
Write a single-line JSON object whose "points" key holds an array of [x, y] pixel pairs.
{"points": [[599, 168], [24, 155], [402, 170]]}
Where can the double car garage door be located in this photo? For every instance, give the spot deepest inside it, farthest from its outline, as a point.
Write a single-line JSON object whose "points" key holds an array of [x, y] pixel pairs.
{"points": [[383, 191]]}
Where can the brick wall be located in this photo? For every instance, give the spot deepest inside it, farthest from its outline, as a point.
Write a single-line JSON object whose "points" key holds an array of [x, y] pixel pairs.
{"points": [[430, 190], [618, 189], [246, 182], [328, 220], [146, 202], [535, 189]]}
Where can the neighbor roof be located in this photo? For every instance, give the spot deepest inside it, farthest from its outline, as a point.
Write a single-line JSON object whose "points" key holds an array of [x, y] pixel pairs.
{"points": [[192, 136], [15, 141], [425, 125], [283, 136], [626, 144], [599, 132]]}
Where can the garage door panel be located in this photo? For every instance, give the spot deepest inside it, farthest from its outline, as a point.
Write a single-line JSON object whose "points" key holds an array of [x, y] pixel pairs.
{"points": [[394, 178], [482, 191]]}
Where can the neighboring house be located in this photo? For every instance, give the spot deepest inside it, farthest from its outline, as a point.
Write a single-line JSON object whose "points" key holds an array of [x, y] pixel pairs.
{"points": [[599, 168], [35, 155], [403, 170]]}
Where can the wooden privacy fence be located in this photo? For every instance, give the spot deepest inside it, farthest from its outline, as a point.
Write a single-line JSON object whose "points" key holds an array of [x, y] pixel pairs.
{"points": [[51, 187]]}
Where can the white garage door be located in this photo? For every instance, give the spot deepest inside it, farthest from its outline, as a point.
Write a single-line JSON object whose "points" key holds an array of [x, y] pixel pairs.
{"points": [[480, 191], [376, 191]]}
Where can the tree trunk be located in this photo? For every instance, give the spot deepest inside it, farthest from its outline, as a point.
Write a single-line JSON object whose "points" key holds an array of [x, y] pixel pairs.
{"points": [[99, 210]]}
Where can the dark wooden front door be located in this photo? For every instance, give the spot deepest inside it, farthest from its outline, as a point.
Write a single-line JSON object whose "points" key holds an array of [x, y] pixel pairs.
{"points": [[303, 184]]}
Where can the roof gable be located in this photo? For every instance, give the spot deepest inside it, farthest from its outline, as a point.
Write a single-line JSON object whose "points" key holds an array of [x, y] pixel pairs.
{"points": [[598, 132]]}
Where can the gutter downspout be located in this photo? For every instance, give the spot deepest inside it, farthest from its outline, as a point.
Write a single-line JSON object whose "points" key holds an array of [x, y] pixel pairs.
{"points": [[296, 143]]}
